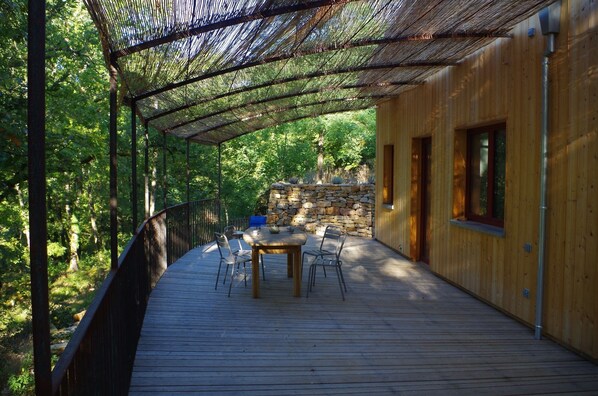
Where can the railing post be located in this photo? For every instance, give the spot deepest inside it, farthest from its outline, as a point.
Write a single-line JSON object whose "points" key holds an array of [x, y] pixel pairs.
{"points": [[36, 150], [134, 166], [113, 173]]}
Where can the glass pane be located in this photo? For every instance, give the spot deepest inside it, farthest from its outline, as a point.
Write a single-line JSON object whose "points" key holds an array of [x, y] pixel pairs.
{"points": [[478, 194], [500, 159]]}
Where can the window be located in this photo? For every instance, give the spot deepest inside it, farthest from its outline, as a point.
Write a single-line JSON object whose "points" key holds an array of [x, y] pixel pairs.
{"points": [[486, 158], [387, 181]]}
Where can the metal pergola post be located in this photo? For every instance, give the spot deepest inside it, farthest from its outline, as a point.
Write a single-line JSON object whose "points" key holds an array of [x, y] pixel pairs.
{"points": [[146, 171], [164, 185], [36, 151], [113, 174], [219, 186], [188, 172], [134, 167], [189, 234]]}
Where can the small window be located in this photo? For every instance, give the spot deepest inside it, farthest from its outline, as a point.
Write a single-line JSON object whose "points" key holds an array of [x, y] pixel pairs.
{"points": [[486, 159], [387, 182]]}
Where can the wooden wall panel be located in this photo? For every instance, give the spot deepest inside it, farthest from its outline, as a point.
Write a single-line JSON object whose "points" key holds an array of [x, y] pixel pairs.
{"points": [[502, 83]]}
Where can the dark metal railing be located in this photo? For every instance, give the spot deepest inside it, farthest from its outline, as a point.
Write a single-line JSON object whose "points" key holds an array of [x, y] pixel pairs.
{"points": [[190, 224], [99, 357]]}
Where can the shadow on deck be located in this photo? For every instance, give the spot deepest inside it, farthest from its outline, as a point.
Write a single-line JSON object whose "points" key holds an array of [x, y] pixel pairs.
{"points": [[401, 330]]}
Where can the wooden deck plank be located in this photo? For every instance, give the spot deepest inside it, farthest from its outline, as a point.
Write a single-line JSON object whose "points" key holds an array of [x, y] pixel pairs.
{"points": [[401, 330]]}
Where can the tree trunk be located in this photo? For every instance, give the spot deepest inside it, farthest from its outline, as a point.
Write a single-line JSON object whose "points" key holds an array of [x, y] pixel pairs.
{"points": [[320, 175], [24, 214], [73, 234], [74, 243], [95, 233]]}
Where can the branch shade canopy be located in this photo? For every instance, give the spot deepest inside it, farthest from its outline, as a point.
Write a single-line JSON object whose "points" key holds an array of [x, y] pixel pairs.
{"points": [[212, 70]]}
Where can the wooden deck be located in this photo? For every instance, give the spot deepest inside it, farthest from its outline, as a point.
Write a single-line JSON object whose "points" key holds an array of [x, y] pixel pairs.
{"points": [[400, 331]]}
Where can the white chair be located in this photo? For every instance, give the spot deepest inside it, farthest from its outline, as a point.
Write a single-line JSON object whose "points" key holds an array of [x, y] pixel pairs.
{"points": [[231, 233], [230, 258], [325, 261]]}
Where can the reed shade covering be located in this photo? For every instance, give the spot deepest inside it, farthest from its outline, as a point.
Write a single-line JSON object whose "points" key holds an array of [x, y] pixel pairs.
{"points": [[209, 70]]}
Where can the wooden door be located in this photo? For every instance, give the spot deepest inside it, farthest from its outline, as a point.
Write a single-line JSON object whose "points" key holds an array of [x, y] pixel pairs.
{"points": [[426, 199]]}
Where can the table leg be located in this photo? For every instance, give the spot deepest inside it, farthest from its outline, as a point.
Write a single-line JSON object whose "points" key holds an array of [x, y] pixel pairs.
{"points": [[297, 272], [289, 264], [255, 272]]}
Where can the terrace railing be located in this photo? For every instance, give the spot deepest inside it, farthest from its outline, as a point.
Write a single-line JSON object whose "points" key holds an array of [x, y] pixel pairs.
{"points": [[99, 357]]}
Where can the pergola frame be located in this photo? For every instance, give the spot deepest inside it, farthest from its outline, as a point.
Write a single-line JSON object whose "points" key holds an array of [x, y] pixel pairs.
{"points": [[419, 26]]}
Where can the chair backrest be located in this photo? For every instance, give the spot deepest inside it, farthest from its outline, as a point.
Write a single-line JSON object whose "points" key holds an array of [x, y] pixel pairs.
{"points": [[229, 231], [257, 221], [339, 246], [331, 236], [224, 249]]}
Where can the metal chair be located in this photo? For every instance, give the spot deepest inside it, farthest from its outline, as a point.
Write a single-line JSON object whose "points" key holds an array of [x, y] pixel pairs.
{"points": [[327, 247], [327, 261], [231, 233], [230, 258]]}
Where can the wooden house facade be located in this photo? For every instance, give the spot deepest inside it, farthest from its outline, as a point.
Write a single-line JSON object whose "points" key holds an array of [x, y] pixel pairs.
{"points": [[442, 156]]}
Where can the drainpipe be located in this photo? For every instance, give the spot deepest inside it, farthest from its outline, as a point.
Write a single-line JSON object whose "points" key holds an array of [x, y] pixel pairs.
{"points": [[549, 21]]}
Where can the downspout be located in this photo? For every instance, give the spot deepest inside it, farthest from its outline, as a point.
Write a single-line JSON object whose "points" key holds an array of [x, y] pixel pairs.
{"points": [[549, 20]]}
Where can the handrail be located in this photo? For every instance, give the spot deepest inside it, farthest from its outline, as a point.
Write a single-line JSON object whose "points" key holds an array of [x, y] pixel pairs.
{"points": [[99, 357]]}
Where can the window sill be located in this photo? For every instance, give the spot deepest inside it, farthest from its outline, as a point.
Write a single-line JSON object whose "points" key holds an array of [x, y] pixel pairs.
{"points": [[479, 227], [388, 206]]}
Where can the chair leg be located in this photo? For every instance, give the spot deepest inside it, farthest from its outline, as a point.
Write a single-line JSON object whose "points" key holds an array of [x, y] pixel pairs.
{"points": [[218, 276], [308, 286], [225, 272], [338, 277], [232, 274], [302, 262], [263, 270], [340, 269]]}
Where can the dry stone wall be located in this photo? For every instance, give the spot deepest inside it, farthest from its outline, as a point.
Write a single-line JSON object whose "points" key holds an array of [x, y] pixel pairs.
{"points": [[314, 206]]}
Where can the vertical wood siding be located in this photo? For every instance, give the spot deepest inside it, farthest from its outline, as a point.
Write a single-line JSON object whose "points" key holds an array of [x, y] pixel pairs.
{"points": [[502, 83]]}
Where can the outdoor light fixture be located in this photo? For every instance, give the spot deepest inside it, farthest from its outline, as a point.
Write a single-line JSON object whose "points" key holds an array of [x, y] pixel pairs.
{"points": [[550, 18]]}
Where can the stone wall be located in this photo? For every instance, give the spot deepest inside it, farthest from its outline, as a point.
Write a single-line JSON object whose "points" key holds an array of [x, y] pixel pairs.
{"points": [[314, 206]]}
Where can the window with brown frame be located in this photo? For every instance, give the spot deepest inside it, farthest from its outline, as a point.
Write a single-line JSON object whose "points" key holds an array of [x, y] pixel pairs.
{"points": [[486, 165], [387, 180]]}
